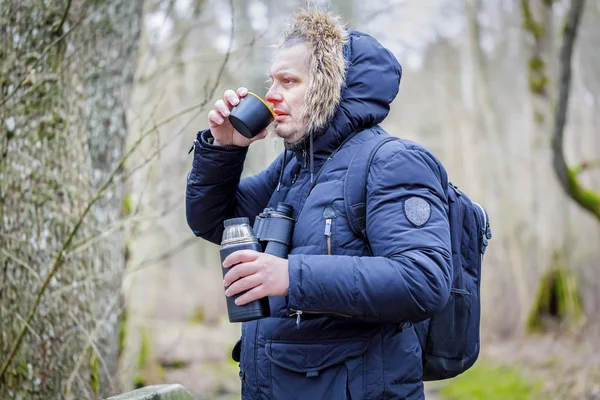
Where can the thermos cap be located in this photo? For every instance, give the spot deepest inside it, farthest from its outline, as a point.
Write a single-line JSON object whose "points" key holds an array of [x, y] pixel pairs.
{"points": [[237, 231], [236, 221]]}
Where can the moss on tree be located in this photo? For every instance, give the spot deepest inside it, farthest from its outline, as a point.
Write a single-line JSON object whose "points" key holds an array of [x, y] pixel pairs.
{"points": [[538, 80], [557, 300], [586, 197], [94, 374]]}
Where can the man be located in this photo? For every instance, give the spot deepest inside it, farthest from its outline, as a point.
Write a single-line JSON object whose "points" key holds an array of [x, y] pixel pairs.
{"points": [[341, 319]]}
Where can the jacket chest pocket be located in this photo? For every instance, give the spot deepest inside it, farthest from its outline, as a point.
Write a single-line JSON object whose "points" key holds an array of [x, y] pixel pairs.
{"points": [[330, 370], [329, 217]]}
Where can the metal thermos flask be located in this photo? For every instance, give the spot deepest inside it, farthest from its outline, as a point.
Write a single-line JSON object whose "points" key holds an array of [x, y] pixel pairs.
{"points": [[238, 235]]}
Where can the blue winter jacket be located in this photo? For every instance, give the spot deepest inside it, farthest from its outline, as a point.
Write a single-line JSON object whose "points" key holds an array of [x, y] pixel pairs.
{"points": [[345, 329]]}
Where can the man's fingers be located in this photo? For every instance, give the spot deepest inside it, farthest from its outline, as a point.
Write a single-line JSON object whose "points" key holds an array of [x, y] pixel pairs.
{"points": [[231, 98], [240, 256], [239, 271], [242, 91], [251, 295], [243, 284], [214, 119], [222, 108]]}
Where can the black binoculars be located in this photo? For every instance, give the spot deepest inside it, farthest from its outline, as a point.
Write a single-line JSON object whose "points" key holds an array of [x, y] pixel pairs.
{"points": [[274, 228]]}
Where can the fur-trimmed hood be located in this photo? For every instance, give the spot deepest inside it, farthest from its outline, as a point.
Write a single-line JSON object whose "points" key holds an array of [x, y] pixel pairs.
{"points": [[326, 37], [353, 78]]}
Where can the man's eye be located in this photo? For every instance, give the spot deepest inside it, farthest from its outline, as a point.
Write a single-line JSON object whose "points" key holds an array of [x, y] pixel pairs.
{"points": [[288, 81]]}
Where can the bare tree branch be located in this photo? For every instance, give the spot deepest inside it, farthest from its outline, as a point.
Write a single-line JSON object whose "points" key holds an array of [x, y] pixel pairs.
{"points": [[586, 198], [64, 17]]}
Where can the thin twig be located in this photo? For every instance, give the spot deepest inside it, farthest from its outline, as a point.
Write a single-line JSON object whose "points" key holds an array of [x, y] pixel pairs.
{"points": [[28, 327], [64, 17], [91, 339], [166, 254], [21, 263], [226, 59], [92, 342], [75, 372], [87, 242]]}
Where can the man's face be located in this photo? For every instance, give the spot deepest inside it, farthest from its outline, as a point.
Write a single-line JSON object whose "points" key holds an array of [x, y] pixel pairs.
{"points": [[289, 76]]}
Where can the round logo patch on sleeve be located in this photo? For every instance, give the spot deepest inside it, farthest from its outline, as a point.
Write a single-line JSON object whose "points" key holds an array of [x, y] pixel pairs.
{"points": [[417, 210]]}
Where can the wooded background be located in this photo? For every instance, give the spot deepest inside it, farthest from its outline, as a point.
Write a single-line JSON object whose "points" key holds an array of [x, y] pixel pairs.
{"points": [[104, 287]]}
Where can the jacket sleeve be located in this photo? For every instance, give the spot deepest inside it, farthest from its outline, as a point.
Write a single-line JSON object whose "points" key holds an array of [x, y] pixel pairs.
{"points": [[215, 192], [409, 277]]}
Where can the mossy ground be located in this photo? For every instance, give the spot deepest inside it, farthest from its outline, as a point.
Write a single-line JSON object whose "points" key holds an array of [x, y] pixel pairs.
{"points": [[486, 382]]}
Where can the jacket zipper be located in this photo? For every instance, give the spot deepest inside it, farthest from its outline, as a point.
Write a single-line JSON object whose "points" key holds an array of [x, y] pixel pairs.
{"points": [[328, 234], [298, 314]]}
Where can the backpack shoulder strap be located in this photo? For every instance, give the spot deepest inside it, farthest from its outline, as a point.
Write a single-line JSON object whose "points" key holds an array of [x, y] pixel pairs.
{"points": [[355, 183]]}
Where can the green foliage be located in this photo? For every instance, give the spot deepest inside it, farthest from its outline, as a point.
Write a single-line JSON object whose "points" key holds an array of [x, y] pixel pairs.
{"points": [[139, 382], [127, 207], [127, 250], [199, 316], [557, 298], [483, 382], [122, 332], [106, 27], [589, 199], [529, 24], [538, 117], [198, 7], [144, 355], [94, 374], [538, 80], [174, 364], [143, 358]]}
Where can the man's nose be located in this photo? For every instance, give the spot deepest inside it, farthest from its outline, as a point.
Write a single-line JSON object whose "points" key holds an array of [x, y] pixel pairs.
{"points": [[273, 96]]}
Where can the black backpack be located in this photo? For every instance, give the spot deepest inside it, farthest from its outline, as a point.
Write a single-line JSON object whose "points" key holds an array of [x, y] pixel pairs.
{"points": [[449, 339]]}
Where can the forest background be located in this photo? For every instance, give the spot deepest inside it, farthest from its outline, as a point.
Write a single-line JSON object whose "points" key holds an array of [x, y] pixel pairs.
{"points": [[104, 288]]}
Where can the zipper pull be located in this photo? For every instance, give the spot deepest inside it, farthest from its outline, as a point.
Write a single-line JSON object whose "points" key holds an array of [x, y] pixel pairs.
{"points": [[298, 314], [193, 146], [328, 227]]}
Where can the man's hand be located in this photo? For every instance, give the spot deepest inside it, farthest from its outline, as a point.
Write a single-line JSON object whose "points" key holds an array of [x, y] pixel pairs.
{"points": [[221, 128], [261, 274]]}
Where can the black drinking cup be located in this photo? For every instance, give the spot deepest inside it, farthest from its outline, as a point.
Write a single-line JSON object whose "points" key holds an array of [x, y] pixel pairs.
{"points": [[251, 115]]}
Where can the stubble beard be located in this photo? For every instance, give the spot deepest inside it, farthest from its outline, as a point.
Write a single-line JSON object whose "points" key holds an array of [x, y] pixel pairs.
{"points": [[297, 135]]}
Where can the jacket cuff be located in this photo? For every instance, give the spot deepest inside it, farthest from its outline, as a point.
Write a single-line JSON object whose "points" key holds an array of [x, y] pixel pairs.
{"points": [[205, 140], [229, 160], [295, 291]]}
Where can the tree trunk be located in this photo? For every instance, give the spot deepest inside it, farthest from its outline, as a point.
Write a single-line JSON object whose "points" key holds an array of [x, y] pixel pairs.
{"points": [[65, 78]]}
